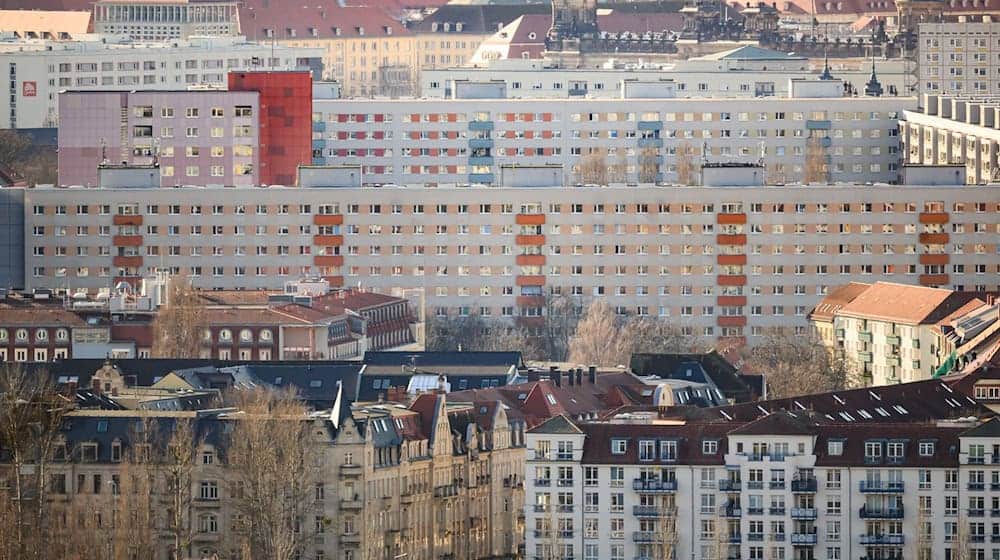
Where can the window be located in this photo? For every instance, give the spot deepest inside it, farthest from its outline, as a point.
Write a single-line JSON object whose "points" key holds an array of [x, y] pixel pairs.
{"points": [[709, 447], [835, 447], [618, 446], [208, 490]]}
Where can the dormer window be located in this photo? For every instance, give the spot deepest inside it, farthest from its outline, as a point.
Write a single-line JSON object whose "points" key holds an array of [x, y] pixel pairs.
{"points": [[289, 32], [459, 26], [268, 32], [62, 335], [314, 32], [206, 335], [3, 335], [336, 31], [618, 446], [447, 27], [434, 27], [388, 30], [361, 30], [21, 335], [265, 335]]}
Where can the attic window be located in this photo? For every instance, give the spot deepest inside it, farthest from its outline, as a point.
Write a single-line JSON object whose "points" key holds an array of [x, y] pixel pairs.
{"points": [[882, 411], [835, 447], [268, 32], [313, 31], [277, 380], [388, 30], [482, 410], [361, 30], [899, 408], [316, 383], [289, 32], [551, 399], [102, 426], [434, 27], [336, 31], [88, 452], [447, 27], [874, 395], [839, 400], [463, 384], [522, 396], [864, 414]]}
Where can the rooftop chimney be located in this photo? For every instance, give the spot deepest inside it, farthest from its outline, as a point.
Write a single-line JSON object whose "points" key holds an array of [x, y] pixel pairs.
{"points": [[569, 377], [592, 373], [557, 379], [579, 376]]}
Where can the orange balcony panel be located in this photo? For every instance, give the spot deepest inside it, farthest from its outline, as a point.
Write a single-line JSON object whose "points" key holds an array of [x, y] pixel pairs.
{"points": [[530, 321], [733, 259], [328, 219], [933, 279], [335, 281], [127, 240], [328, 240], [736, 321], [122, 220], [531, 280], [933, 259], [732, 280], [531, 260], [328, 260], [934, 238], [731, 300], [727, 219], [934, 217], [530, 240], [731, 239], [530, 219], [530, 301], [127, 262]]}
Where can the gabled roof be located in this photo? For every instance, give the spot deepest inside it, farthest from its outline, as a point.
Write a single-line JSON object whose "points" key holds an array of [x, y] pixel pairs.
{"points": [[319, 19], [990, 429], [556, 425], [778, 424], [689, 438], [314, 382], [904, 303], [836, 299], [477, 19]]}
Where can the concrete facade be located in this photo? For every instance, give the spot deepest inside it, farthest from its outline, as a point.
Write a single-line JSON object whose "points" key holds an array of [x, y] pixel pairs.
{"points": [[11, 238], [462, 141], [39, 70], [719, 261], [959, 131], [163, 21], [959, 58]]}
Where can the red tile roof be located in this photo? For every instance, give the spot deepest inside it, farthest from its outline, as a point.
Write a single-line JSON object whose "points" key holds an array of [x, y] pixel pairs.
{"points": [[689, 437], [318, 19], [836, 299], [29, 315], [904, 303]]}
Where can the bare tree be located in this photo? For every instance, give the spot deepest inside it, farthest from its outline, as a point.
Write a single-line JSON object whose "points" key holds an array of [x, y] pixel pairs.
{"points": [[649, 165], [667, 527], [593, 168], [28, 161], [816, 169], [599, 339], [274, 464], [562, 313], [178, 325], [797, 365], [687, 167], [177, 463], [135, 530], [618, 171], [31, 413], [657, 336]]}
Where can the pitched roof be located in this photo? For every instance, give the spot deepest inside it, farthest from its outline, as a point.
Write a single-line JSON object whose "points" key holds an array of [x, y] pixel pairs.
{"points": [[620, 21], [18, 315], [836, 299], [694, 366], [990, 429], [320, 19], [476, 19], [428, 359], [780, 423], [41, 22], [904, 303], [854, 436], [558, 424], [689, 438]]}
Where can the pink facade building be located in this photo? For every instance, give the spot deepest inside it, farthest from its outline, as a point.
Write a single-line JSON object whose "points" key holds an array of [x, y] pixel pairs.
{"points": [[199, 137]]}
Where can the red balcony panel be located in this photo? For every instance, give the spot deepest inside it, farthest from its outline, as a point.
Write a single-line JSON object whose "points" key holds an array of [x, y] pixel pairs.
{"points": [[934, 217], [328, 219], [530, 219], [123, 220], [733, 259], [328, 240], [736, 321], [127, 240], [328, 260], [536, 280], [731, 239], [531, 260], [933, 259], [530, 301], [537, 240], [731, 300], [530, 321], [933, 279], [335, 281], [732, 280], [127, 262], [934, 238], [727, 219]]}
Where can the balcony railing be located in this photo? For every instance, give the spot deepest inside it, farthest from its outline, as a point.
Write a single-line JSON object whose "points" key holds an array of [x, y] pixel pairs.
{"points": [[804, 513], [646, 536], [776, 511], [755, 511], [974, 486], [977, 512], [888, 513], [804, 538], [647, 485], [730, 485], [882, 486], [730, 511], [755, 537], [653, 511], [777, 485], [543, 482], [804, 485], [895, 540]]}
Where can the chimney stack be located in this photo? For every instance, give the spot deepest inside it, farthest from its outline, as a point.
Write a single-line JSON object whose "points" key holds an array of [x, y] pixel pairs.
{"points": [[579, 376], [556, 378], [569, 376], [532, 376], [592, 373]]}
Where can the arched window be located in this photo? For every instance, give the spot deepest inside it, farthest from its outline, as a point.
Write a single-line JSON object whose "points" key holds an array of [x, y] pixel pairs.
{"points": [[41, 334], [225, 335], [21, 335], [246, 335], [265, 335], [62, 335]]}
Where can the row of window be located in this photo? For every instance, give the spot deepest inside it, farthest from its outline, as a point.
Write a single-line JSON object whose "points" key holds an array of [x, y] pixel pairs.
{"points": [[41, 335]]}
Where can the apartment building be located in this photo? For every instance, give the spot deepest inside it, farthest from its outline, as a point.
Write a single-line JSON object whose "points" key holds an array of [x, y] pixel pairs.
{"points": [[898, 333], [164, 21], [39, 70], [745, 71], [951, 130], [196, 137], [718, 261], [788, 484], [960, 58], [429, 481], [462, 141]]}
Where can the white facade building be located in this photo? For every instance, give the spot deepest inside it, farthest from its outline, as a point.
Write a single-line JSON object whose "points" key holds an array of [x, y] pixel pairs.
{"points": [[782, 486], [955, 130], [960, 58], [39, 70]]}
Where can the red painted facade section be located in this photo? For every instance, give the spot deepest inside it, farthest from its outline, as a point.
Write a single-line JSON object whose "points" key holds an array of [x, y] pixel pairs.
{"points": [[285, 121]]}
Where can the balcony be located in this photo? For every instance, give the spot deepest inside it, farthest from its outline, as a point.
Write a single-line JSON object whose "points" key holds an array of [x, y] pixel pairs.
{"points": [[480, 125], [328, 219], [776, 511], [881, 487], [730, 485], [888, 513], [755, 485], [865, 357], [543, 482], [126, 240], [350, 505], [484, 178], [541, 508], [755, 511], [530, 280], [565, 482], [650, 142], [755, 537], [730, 511], [893, 340], [883, 557], [892, 361], [650, 125], [735, 539], [804, 539], [776, 485], [864, 336], [653, 511], [654, 486], [480, 160], [977, 512], [477, 143], [126, 220], [777, 537], [350, 539], [804, 485], [350, 470], [127, 261], [977, 486], [804, 513], [892, 540], [531, 239], [646, 537]]}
